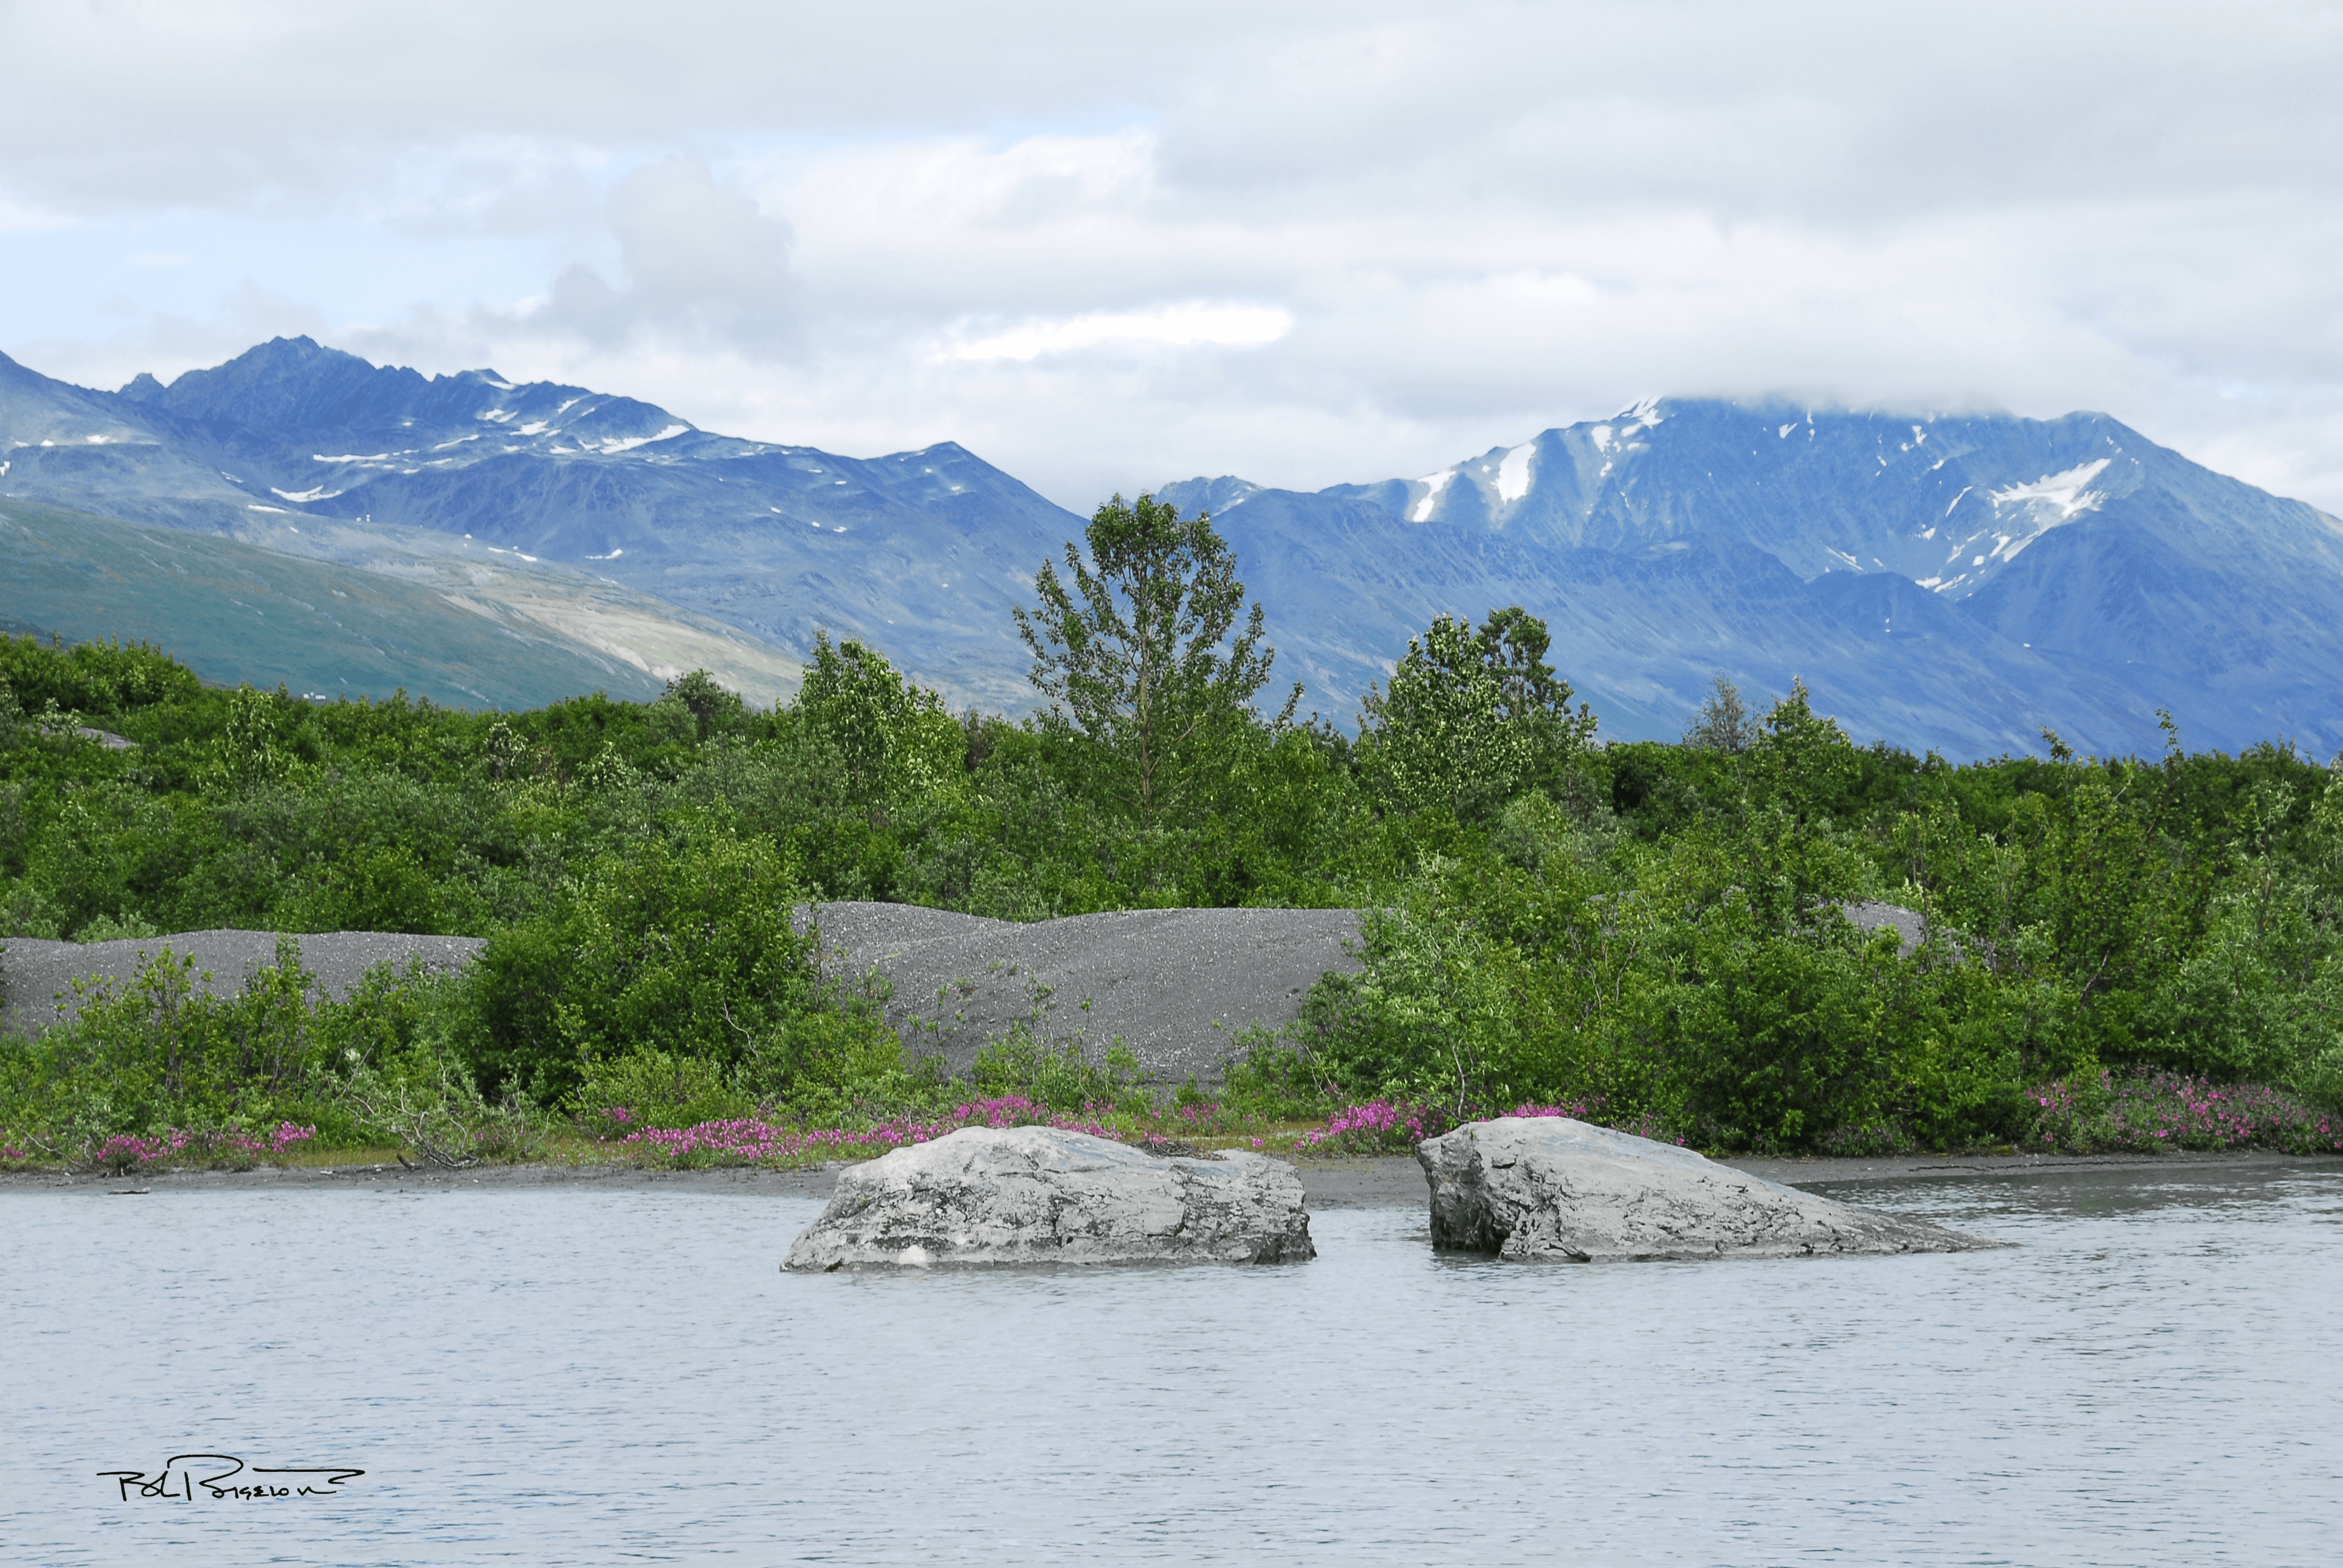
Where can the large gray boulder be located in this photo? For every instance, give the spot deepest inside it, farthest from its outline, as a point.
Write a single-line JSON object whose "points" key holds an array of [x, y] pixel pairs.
{"points": [[990, 1196], [1548, 1187]]}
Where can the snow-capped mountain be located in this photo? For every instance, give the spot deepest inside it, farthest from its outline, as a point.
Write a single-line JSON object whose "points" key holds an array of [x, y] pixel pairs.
{"points": [[1956, 582], [1870, 492], [1950, 581], [918, 552]]}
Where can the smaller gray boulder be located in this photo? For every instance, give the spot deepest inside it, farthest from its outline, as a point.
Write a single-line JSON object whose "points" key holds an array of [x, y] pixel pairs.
{"points": [[1548, 1187], [987, 1196]]}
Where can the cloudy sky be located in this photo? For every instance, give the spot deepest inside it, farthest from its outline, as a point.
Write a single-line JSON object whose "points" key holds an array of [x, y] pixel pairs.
{"points": [[1107, 244]]}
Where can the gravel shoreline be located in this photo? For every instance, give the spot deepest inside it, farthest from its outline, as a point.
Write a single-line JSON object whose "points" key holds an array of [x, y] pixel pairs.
{"points": [[1175, 986], [1386, 1182], [37, 976]]}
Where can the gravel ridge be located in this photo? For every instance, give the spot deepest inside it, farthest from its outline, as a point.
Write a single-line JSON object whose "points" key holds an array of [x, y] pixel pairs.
{"points": [[1173, 985], [37, 976]]}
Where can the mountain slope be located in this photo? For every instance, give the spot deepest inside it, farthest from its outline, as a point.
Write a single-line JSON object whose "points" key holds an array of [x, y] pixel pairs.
{"points": [[1954, 583], [233, 613], [920, 552]]}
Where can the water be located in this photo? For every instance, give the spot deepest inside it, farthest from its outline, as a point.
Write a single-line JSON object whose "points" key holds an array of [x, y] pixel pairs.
{"points": [[583, 1376]]}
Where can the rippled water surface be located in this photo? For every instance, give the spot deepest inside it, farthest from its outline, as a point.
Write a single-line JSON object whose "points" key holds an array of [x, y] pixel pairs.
{"points": [[582, 1376]]}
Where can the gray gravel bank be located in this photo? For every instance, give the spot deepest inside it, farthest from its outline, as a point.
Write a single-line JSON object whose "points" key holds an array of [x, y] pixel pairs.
{"points": [[1388, 1181], [1173, 985], [37, 976]]}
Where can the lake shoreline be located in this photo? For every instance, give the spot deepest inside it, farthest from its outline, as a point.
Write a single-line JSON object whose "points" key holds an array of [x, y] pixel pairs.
{"points": [[1379, 1183]]}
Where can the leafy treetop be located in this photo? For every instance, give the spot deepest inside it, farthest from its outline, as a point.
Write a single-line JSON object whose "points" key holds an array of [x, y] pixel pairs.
{"points": [[1139, 665]]}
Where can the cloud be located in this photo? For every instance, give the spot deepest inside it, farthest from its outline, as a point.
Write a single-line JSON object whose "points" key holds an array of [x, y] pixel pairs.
{"points": [[20, 218], [1192, 326], [701, 264], [250, 102], [1305, 242]]}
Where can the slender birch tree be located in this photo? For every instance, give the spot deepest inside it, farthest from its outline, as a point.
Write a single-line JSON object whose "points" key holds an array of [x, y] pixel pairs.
{"points": [[1143, 654]]}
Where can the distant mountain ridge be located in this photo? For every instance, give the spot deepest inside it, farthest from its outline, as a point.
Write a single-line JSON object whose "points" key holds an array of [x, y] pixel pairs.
{"points": [[777, 541], [236, 614], [1957, 582], [1946, 582]]}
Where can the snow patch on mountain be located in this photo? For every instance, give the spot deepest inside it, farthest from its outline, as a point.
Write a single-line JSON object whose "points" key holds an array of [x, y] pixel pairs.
{"points": [[2063, 493], [1514, 473], [1433, 485], [2043, 505], [630, 443]]}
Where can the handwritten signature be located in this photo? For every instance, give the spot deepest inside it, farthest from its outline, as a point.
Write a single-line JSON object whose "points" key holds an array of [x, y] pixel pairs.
{"points": [[225, 1477]]}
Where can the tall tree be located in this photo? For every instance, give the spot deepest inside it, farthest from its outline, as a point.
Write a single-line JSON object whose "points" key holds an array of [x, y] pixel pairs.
{"points": [[1138, 665], [893, 737], [1724, 722], [1469, 718]]}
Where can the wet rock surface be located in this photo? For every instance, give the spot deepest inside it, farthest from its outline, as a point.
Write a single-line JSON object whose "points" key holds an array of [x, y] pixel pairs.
{"points": [[1551, 1187], [988, 1196]]}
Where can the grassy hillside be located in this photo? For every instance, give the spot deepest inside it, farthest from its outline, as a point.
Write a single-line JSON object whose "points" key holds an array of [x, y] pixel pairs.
{"points": [[236, 614]]}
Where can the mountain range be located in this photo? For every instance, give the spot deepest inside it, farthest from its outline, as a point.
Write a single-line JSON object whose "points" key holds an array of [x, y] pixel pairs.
{"points": [[1949, 582]]}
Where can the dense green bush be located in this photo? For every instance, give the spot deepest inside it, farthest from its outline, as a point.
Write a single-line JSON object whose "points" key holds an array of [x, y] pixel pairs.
{"points": [[162, 1053], [687, 946], [91, 677], [1652, 928], [1700, 976]]}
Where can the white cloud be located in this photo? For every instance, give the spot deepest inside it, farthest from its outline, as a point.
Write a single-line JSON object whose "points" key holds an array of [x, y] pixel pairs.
{"points": [[1170, 326], [21, 217], [1303, 242], [700, 263]]}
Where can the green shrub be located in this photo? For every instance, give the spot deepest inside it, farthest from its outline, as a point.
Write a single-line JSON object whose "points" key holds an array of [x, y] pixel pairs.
{"points": [[161, 1054], [97, 678], [1057, 1072], [1431, 1017], [688, 947], [642, 1089], [1269, 1076], [444, 1119]]}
